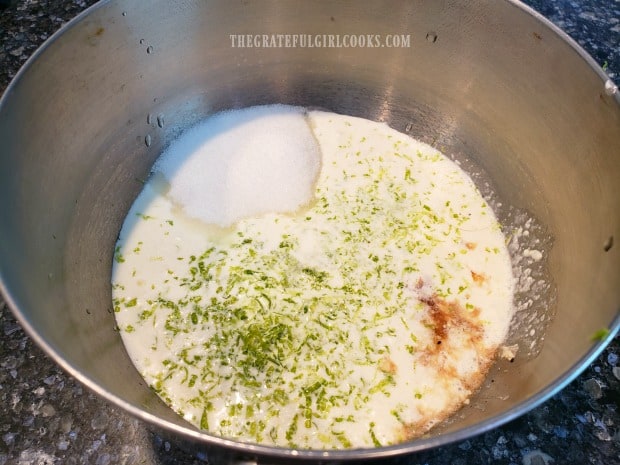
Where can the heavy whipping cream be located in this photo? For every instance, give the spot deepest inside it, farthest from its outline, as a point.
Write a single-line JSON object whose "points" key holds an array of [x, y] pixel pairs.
{"points": [[310, 280]]}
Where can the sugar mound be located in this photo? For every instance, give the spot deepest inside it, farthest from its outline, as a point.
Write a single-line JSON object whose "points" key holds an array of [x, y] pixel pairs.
{"points": [[243, 163]]}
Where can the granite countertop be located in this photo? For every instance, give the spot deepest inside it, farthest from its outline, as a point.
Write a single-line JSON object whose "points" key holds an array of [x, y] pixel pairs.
{"points": [[49, 418]]}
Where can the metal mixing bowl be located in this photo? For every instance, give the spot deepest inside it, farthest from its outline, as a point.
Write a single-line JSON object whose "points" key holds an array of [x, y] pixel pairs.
{"points": [[489, 82]]}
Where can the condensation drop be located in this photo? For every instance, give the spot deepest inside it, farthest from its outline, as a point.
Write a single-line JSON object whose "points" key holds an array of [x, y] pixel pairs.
{"points": [[124, 13], [147, 140], [610, 87], [431, 37], [409, 127], [160, 120], [149, 119], [141, 41], [149, 49]]}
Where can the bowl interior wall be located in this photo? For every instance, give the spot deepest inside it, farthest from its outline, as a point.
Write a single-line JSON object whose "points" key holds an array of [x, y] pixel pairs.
{"points": [[496, 86]]}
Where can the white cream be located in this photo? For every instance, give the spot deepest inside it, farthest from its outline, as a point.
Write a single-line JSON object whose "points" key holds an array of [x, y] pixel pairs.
{"points": [[361, 320]]}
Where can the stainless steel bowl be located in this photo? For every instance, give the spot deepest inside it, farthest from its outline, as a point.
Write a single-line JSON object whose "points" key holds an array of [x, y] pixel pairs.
{"points": [[489, 80]]}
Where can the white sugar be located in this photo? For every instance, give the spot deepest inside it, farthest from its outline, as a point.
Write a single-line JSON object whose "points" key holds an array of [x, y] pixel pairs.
{"points": [[243, 163]]}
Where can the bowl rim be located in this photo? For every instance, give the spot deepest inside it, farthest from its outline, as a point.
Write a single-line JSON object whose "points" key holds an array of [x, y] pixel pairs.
{"points": [[245, 448]]}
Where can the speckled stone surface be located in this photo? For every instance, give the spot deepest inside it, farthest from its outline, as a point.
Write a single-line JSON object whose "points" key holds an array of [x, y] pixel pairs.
{"points": [[46, 417]]}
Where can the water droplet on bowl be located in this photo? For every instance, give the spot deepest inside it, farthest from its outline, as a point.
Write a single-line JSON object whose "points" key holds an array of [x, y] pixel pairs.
{"points": [[149, 49], [149, 119], [610, 87], [147, 140], [160, 120], [141, 41], [431, 37], [409, 127], [124, 13]]}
